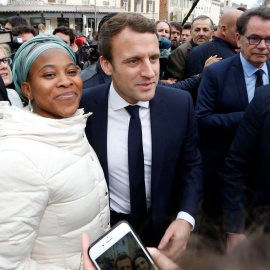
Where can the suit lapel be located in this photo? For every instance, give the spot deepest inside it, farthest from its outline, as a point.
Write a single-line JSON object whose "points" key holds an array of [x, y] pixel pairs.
{"points": [[157, 118], [239, 77], [99, 133]]}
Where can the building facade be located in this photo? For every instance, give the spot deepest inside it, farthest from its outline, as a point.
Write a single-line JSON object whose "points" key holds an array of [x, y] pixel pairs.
{"points": [[82, 15], [177, 10]]}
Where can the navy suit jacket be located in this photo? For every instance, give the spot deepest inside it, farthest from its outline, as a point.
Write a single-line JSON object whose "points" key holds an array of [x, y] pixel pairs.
{"points": [[247, 173], [222, 100], [176, 180]]}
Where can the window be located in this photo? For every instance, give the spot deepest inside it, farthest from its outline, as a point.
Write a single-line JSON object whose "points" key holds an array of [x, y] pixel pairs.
{"points": [[138, 5], [126, 4], [150, 6]]}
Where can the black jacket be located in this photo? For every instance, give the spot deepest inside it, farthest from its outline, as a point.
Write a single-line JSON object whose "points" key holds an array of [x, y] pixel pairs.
{"points": [[196, 58]]}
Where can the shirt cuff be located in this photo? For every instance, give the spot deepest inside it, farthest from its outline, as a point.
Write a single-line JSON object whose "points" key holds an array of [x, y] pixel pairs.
{"points": [[187, 217]]}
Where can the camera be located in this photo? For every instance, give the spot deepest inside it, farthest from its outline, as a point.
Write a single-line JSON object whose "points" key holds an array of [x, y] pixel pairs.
{"points": [[94, 53], [7, 38]]}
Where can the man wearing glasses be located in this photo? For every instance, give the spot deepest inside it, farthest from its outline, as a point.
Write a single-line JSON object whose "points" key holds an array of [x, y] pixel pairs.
{"points": [[226, 89]]}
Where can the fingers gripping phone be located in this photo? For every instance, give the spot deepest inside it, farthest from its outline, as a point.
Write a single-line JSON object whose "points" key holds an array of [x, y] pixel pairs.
{"points": [[120, 249]]}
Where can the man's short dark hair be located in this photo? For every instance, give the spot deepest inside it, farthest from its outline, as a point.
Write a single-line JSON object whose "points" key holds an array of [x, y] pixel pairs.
{"points": [[263, 12], [22, 29], [116, 24], [187, 26], [202, 17], [121, 257], [177, 25], [66, 31], [16, 20]]}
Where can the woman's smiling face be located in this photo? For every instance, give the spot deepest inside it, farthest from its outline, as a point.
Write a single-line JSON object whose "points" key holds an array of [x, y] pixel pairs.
{"points": [[53, 84]]}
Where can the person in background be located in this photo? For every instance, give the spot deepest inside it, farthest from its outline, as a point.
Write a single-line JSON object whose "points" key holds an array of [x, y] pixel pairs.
{"points": [[123, 262], [141, 262], [221, 47], [6, 75], [201, 28], [15, 21], [23, 31], [214, 33], [58, 188], [164, 31], [42, 29], [68, 36], [186, 33], [176, 30]]}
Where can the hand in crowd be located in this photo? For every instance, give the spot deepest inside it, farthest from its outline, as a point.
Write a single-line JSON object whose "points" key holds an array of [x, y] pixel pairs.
{"points": [[87, 264], [174, 241], [161, 261], [211, 60], [233, 240], [170, 81]]}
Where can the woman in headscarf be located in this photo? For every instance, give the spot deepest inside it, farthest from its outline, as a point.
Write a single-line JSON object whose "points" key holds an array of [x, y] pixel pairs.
{"points": [[52, 187]]}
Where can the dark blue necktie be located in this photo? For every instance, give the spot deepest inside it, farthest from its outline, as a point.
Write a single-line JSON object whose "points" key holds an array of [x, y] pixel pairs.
{"points": [[259, 81], [136, 167]]}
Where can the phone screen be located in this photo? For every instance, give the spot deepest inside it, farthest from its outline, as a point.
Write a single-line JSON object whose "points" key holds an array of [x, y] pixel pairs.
{"points": [[120, 249]]}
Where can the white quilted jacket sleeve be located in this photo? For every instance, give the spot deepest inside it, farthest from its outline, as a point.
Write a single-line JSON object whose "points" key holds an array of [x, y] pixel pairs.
{"points": [[23, 200]]}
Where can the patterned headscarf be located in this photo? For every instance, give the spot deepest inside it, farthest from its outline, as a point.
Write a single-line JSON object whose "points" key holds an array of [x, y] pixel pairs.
{"points": [[28, 53]]}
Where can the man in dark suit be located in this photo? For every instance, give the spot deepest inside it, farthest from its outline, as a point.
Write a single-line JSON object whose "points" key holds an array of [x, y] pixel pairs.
{"points": [[172, 164], [223, 45], [226, 89], [247, 173]]}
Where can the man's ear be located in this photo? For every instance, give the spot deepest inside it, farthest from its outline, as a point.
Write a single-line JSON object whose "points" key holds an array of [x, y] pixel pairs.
{"points": [[106, 66], [223, 29], [238, 40], [27, 90]]}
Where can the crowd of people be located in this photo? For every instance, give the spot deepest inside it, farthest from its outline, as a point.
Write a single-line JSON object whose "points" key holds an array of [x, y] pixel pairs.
{"points": [[166, 128]]}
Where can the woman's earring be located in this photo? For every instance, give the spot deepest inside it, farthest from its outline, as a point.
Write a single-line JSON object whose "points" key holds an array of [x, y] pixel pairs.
{"points": [[30, 106]]}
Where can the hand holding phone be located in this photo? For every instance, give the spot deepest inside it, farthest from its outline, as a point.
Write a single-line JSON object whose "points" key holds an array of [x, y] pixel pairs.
{"points": [[121, 249]]}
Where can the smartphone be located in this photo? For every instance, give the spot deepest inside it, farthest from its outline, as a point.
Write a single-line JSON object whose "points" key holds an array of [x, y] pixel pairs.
{"points": [[120, 249]]}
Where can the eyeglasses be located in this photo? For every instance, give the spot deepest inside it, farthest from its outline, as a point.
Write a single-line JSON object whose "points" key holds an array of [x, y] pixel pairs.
{"points": [[6, 60], [257, 40]]}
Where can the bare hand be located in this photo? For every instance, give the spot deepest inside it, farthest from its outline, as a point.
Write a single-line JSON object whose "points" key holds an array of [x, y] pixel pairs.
{"points": [[174, 241], [233, 240], [161, 261], [211, 60], [87, 264], [170, 81]]}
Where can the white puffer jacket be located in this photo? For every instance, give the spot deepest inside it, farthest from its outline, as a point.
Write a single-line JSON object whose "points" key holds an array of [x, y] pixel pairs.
{"points": [[52, 189]]}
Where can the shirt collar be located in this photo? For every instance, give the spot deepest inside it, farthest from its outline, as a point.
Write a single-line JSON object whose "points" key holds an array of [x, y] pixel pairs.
{"points": [[116, 102], [249, 69]]}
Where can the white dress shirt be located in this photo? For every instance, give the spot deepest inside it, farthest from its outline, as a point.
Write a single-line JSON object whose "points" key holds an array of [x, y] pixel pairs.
{"points": [[117, 153], [251, 77]]}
